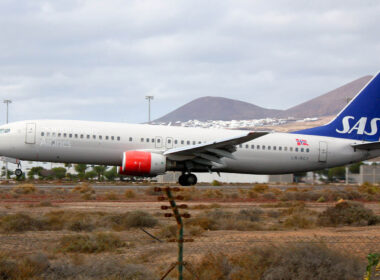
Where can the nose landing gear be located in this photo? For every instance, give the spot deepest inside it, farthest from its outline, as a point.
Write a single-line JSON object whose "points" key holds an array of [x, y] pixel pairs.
{"points": [[187, 179]]}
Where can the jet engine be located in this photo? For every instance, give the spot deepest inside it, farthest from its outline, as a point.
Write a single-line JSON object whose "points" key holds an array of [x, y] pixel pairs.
{"points": [[141, 163]]}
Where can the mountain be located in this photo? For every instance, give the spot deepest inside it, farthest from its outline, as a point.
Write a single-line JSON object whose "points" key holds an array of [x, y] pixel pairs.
{"points": [[330, 103], [220, 108]]}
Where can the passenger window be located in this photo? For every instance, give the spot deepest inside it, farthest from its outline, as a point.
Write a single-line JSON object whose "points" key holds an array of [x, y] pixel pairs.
{"points": [[182, 142], [88, 136], [112, 137], [307, 150], [70, 135], [130, 139], [59, 134], [193, 142], [240, 146], [42, 133], [53, 134], [142, 139], [152, 140], [64, 135], [107, 137], [76, 135], [280, 148], [263, 146], [285, 149], [269, 147], [147, 140], [47, 134], [175, 141], [296, 149], [169, 141], [247, 146], [258, 147], [252, 147], [199, 142], [291, 149], [118, 138], [274, 148], [302, 150], [100, 137], [94, 136], [158, 140], [188, 142]]}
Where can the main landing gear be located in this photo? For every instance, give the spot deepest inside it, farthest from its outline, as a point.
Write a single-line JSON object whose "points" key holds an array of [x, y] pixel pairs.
{"points": [[187, 179], [18, 171]]}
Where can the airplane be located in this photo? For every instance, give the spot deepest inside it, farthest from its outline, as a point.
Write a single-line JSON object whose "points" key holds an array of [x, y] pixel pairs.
{"points": [[151, 150]]}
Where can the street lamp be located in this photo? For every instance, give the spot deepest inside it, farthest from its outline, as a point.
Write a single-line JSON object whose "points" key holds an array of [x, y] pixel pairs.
{"points": [[7, 101], [149, 98]]}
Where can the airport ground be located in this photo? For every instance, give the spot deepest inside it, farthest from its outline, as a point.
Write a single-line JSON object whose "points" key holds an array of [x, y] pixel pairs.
{"points": [[95, 231]]}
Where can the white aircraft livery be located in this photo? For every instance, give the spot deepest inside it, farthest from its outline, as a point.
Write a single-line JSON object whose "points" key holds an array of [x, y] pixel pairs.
{"points": [[150, 150]]}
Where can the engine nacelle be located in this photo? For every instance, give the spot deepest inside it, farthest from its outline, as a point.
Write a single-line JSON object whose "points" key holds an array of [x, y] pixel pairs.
{"points": [[140, 163]]}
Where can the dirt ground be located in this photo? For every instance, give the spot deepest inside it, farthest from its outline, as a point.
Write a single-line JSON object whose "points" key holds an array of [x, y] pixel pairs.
{"points": [[142, 249]]}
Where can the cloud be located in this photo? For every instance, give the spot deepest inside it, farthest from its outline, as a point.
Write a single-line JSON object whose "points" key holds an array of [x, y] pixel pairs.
{"points": [[96, 60]]}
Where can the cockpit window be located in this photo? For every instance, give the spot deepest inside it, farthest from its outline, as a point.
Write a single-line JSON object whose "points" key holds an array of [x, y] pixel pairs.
{"points": [[5, 130]]}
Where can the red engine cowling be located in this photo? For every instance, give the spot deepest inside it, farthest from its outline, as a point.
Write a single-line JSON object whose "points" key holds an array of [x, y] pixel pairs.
{"points": [[140, 163]]}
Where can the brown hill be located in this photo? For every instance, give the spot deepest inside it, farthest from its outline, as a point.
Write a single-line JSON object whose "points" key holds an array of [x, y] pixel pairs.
{"points": [[329, 103], [220, 108]]}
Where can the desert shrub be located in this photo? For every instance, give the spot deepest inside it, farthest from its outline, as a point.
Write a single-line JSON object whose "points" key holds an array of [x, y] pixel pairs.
{"points": [[305, 261], [151, 191], [83, 188], [194, 230], [223, 220], [269, 196], [273, 214], [369, 188], [19, 223], [215, 183], [299, 220], [213, 194], [252, 194], [260, 188], [102, 268], [24, 268], [276, 191], [24, 189], [88, 196], [129, 194], [80, 225], [168, 231], [97, 243], [131, 220], [347, 213], [321, 199]]}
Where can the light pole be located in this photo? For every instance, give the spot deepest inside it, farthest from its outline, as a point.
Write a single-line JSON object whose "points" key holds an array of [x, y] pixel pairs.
{"points": [[149, 98], [7, 101]]}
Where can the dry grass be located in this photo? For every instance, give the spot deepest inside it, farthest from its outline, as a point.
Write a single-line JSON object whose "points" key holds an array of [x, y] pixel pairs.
{"points": [[83, 188], [24, 189], [100, 242], [306, 261]]}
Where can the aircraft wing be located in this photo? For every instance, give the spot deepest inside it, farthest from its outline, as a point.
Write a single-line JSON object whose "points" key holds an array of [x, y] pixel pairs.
{"points": [[367, 146], [210, 153]]}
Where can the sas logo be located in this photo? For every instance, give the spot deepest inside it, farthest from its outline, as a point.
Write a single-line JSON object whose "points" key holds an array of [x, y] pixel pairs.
{"points": [[302, 142], [359, 126]]}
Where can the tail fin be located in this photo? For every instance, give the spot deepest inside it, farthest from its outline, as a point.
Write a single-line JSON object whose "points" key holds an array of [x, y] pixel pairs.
{"points": [[358, 120]]}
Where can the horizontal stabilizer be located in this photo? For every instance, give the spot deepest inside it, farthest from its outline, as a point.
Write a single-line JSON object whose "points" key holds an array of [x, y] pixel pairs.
{"points": [[367, 146]]}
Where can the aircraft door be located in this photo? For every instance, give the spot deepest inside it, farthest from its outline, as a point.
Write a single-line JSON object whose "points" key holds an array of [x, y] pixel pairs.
{"points": [[30, 133], [169, 143], [158, 142], [322, 151]]}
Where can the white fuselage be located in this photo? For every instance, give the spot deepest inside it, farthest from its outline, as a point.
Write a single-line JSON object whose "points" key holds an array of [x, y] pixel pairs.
{"points": [[104, 143]]}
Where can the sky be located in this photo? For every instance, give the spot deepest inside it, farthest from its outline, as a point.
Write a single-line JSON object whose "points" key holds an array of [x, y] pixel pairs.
{"points": [[97, 60]]}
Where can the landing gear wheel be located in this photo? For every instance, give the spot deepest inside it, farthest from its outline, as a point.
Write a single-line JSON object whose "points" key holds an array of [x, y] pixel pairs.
{"points": [[187, 179], [18, 172], [182, 180], [191, 179]]}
